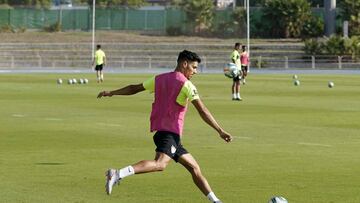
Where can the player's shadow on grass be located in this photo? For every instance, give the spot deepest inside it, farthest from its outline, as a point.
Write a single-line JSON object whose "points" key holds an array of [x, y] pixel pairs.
{"points": [[49, 163]]}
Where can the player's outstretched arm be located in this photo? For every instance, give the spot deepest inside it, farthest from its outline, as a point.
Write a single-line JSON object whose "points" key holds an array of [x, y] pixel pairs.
{"points": [[128, 90], [210, 120]]}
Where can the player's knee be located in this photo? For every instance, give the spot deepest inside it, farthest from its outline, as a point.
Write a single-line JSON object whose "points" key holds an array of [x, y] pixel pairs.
{"points": [[195, 170], [160, 166]]}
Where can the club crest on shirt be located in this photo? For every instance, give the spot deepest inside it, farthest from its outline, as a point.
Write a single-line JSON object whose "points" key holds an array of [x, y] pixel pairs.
{"points": [[194, 93]]}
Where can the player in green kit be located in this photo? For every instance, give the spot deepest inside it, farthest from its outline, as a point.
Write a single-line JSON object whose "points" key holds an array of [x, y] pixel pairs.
{"points": [[100, 61], [235, 58]]}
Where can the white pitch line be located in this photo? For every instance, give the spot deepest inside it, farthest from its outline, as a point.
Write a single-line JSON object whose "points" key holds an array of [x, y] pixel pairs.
{"points": [[314, 144], [110, 124], [18, 115], [53, 119]]}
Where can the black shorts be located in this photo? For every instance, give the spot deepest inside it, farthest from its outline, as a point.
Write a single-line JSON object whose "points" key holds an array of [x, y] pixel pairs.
{"points": [[99, 67], [244, 69], [169, 144], [237, 78]]}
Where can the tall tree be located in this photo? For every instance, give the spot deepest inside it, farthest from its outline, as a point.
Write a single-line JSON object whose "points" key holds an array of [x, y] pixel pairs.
{"points": [[112, 3], [350, 10], [286, 18], [37, 3], [316, 3], [200, 13]]}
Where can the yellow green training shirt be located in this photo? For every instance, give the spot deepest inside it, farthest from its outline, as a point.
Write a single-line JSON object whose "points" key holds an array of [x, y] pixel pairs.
{"points": [[235, 56], [99, 57], [187, 92]]}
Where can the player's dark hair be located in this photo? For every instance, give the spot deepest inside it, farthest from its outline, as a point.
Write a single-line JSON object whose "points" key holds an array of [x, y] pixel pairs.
{"points": [[237, 44], [98, 46], [188, 56], [243, 47]]}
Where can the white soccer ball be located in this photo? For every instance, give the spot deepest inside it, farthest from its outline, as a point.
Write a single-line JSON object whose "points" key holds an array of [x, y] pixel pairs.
{"points": [[59, 81], [81, 81], [70, 82], [74, 81], [295, 77], [86, 81], [331, 84], [231, 70], [278, 200], [297, 82]]}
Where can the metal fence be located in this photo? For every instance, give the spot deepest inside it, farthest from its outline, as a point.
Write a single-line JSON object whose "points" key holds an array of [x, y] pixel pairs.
{"points": [[210, 63], [308, 62]]}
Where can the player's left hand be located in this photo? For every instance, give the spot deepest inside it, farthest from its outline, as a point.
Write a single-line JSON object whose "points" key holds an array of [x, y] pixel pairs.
{"points": [[226, 136]]}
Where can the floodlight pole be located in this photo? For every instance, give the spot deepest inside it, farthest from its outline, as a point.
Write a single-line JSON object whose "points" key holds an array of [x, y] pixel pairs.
{"points": [[248, 28], [93, 31], [330, 17], [61, 14]]}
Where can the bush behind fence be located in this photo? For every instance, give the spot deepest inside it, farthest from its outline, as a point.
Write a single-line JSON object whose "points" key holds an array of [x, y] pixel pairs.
{"points": [[170, 20]]}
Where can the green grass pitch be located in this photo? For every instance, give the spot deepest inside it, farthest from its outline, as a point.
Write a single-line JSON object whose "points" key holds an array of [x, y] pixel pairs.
{"points": [[300, 142]]}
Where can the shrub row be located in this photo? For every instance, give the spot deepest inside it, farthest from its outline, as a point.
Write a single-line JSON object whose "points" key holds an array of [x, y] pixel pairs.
{"points": [[335, 45]]}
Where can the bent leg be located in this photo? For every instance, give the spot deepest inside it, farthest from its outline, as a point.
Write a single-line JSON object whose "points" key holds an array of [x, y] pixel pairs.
{"points": [[113, 176], [158, 164], [188, 161]]}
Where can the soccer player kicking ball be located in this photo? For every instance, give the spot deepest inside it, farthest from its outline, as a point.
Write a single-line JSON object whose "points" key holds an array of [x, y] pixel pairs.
{"points": [[172, 91]]}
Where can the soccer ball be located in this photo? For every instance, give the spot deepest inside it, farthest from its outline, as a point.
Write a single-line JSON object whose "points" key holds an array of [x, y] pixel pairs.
{"points": [[81, 81], [297, 82], [295, 77], [70, 82], [330, 84], [86, 81], [278, 200], [74, 81], [59, 81], [231, 70]]}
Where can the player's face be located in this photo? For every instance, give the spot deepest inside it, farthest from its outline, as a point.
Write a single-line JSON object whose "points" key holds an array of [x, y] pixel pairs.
{"points": [[190, 69]]}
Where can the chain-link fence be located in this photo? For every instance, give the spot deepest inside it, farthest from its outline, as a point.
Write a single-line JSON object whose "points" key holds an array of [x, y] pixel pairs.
{"points": [[212, 61], [307, 62]]}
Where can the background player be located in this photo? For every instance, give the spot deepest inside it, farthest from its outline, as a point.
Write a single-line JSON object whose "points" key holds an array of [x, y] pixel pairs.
{"points": [[235, 58], [100, 61], [244, 58]]}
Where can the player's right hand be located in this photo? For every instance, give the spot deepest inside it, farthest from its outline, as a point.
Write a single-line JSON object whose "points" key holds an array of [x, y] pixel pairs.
{"points": [[104, 94]]}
